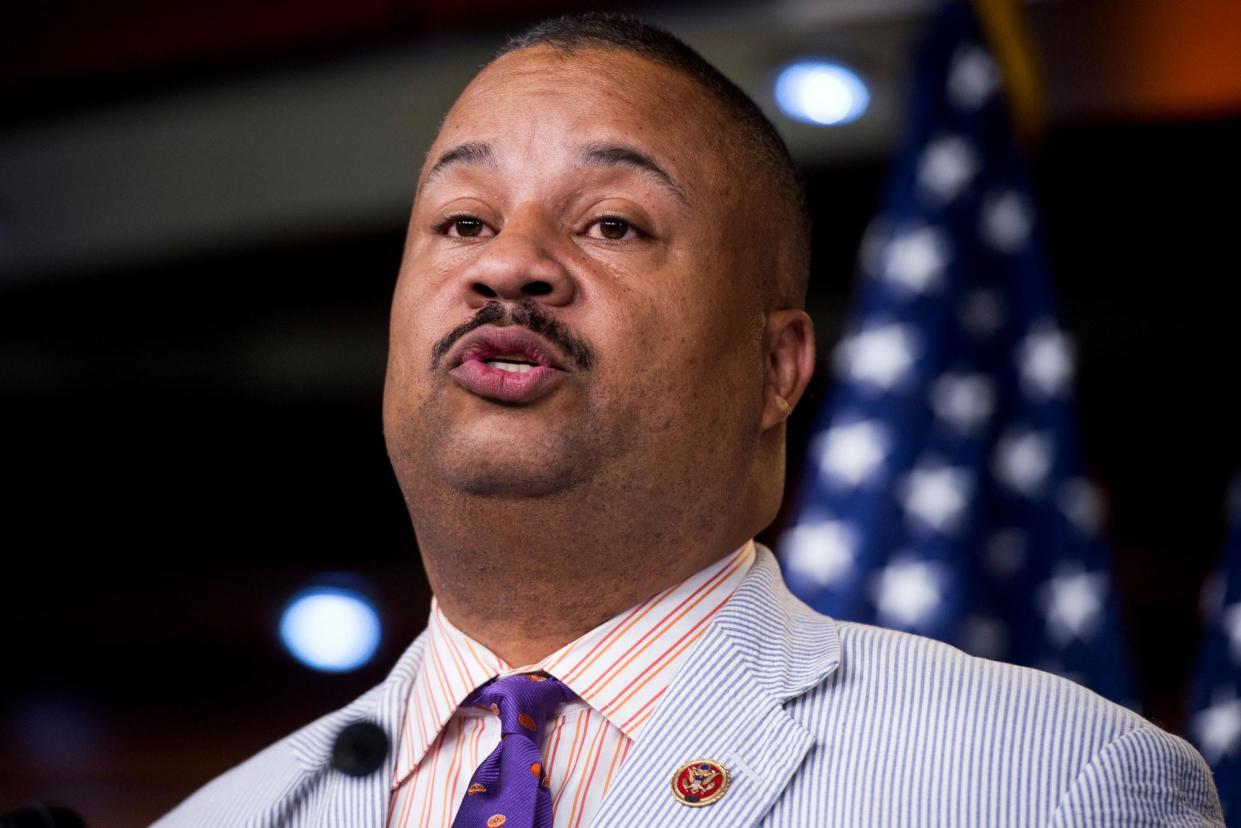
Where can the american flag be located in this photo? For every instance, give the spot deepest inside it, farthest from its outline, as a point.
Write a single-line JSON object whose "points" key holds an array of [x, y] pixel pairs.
{"points": [[1215, 721], [945, 494]]}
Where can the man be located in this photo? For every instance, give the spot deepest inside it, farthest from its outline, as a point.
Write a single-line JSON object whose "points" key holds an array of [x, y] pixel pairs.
{"points": [[596, 339]]}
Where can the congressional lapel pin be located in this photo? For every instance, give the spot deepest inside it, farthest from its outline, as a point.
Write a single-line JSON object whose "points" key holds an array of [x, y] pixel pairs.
{"points": [[700, 782]]}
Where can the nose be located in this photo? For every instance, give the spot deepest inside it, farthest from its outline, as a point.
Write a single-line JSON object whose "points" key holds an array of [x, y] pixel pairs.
{"points": [[518, 263]]}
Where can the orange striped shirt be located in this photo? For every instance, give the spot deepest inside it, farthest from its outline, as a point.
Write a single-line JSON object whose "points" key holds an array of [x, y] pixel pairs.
{"points": [[619, 670]]}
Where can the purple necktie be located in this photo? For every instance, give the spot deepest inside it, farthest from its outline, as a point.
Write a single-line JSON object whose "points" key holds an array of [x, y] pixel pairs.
{"points": [[510, 787]]}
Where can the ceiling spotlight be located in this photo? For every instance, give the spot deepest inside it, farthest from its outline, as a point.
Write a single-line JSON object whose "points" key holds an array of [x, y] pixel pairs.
{"points": [[330, 629], [821, 92]]}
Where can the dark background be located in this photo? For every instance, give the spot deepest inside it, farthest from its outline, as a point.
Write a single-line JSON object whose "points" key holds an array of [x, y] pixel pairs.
{"points": [[190, 438]]}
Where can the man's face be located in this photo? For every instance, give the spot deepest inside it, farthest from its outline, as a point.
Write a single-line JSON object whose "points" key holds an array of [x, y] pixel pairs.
{"points": [[577, 303]]}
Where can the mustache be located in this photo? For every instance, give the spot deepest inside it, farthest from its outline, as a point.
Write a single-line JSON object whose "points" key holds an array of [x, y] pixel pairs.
{"points": [[526, 314]]}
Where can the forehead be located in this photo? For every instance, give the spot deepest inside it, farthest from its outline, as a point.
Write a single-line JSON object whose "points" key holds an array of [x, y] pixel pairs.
{"points": [[539, 99]]}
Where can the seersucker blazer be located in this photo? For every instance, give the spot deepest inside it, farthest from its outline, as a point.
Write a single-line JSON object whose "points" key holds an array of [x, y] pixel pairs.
{"points": [[819, 723]]}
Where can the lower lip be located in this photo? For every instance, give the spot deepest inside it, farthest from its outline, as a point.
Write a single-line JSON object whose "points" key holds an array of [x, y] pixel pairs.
{"points": [[478, 377]]}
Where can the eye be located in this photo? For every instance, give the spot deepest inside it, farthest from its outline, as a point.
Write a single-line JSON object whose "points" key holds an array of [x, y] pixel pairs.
{"points": [[612, 228], [462, 227]]}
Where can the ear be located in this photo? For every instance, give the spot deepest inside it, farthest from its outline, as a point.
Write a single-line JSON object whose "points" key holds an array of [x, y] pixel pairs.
{"points": [[789, 346]]}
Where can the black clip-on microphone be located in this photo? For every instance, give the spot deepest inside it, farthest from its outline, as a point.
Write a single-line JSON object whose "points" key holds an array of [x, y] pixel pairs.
{"points": [[359, 750]]}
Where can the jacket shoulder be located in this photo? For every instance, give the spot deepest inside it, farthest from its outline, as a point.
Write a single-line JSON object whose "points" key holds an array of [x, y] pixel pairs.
{"points": [[873, 657], [913, 726], [1144, 777]]}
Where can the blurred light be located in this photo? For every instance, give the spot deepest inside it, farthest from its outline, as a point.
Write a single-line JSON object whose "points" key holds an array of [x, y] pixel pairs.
{"points": [[58, 735], [821, 92], [330, 628]]}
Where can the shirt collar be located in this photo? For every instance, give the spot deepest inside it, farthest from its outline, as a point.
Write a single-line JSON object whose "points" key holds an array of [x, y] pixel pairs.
{"points": [[620, 668]]}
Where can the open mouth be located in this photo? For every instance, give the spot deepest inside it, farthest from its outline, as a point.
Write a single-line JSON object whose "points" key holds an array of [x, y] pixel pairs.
{"points": [[509, 365], [514, 365], [512, 349]]}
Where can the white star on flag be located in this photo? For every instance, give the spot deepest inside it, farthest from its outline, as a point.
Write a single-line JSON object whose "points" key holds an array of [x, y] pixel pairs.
{"points": [[973, 77], [906, 592], [964, 401], [1006, 221], [1230, 620], [851, 453], [1218, 728], [880, 355], [937, 495], [915, 259], [820, 553], [948, 164], [1082, 505], [1072, 599], [982, 312], [1023, 461], [1045, 360]]}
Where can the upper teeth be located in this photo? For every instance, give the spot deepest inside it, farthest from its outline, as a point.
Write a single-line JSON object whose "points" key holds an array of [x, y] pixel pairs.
{"points": [[515, 367]]}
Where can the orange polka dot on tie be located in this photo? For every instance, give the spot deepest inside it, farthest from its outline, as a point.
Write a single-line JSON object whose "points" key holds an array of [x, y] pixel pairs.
{"points": [[495, 708], [536, 769], [475, 788], [527, 721], [496, 821], [536, 677]]}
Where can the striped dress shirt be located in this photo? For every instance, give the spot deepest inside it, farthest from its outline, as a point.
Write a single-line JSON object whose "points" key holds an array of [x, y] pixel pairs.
{"points": [[619, 671]]}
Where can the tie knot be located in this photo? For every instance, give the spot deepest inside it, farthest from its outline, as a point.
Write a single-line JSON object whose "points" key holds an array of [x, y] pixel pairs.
{"points": [[523, 702]]}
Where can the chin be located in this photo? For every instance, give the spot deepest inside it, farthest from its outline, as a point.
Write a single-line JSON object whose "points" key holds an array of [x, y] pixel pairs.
{"points": [[510, 483], [468, 448], [504, 460]]}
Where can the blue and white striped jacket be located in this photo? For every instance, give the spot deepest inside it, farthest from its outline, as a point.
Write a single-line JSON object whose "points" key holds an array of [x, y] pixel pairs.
{"points": [[820, 723]]}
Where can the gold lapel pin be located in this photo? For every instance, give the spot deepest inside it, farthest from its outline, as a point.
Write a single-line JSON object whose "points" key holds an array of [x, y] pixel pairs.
{"points": [[700, 782]]}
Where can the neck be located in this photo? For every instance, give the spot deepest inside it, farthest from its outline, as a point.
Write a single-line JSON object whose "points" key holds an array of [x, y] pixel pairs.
{"points": [[525, 579]]}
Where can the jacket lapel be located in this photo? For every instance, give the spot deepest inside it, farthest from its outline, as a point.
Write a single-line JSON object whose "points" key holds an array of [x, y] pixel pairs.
{"points": [[726, 704]]}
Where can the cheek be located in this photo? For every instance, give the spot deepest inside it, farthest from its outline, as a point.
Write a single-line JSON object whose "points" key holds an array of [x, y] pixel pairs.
{"points": [[718, 369], [423, 310], [683, 336], [668, 366]]}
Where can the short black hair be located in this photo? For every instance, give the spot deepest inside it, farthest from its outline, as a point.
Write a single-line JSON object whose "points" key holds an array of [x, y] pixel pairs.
{"points": [[623, 32]]}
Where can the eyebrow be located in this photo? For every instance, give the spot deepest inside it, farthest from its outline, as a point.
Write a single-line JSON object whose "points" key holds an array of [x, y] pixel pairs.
{"points": [[479, 153], [618, 155], [469, 153]]}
